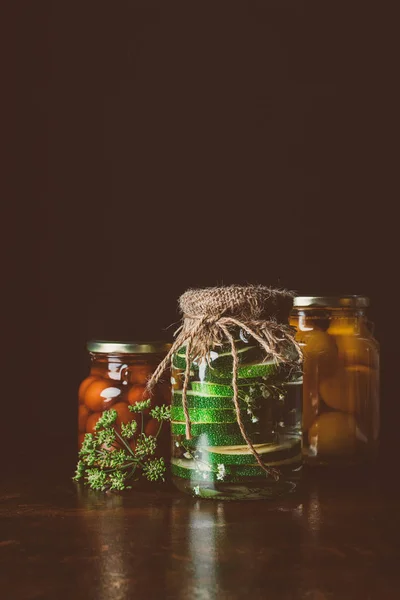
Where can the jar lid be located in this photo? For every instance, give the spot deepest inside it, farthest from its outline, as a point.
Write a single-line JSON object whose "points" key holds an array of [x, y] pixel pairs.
{"points": [[109, 347], [331, 301]]}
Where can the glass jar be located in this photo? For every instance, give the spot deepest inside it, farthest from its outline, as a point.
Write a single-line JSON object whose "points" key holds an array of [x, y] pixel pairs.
{"points": [[340, 379], [118, 376], [217, 462]]}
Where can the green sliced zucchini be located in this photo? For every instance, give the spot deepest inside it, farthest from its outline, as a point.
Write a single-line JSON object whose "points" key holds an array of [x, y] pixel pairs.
{"points": [[179, 428], [218, 438], [236, 455], [199, 400], [247, 373], [253, 371], [219, 361], [179, 362], [206, 415], [218, 434], [218, 389]]}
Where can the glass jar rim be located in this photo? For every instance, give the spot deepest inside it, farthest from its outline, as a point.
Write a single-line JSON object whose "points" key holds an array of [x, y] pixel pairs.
{"points": [[133, 347], [331, 301]]}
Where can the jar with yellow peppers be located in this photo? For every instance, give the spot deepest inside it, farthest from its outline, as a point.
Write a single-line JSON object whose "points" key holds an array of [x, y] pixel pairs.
{"points": [[340, 380]]}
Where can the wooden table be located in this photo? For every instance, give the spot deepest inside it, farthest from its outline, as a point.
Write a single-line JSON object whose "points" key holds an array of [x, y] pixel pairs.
{"points": [[336, 538]]}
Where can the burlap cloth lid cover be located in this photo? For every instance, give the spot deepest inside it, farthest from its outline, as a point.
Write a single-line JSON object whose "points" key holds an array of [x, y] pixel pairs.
{"points": [[210, 315]]}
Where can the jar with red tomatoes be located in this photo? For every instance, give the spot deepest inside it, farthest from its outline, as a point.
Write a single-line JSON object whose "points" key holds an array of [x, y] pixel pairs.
{"points": [[119, 372]]}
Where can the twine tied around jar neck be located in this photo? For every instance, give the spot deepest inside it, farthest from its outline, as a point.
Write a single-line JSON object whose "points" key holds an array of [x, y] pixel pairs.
{"points": [[209, 315]]}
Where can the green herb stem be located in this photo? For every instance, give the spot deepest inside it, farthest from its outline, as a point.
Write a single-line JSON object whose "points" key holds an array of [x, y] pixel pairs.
{"points": [[102, 466], [124, 443]]}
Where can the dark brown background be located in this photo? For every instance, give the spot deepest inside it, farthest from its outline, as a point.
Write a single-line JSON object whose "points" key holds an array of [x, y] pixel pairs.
{"points": [[151, 147]]}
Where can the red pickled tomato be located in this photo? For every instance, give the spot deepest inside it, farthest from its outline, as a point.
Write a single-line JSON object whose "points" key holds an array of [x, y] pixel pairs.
{"points": [[124, 414], [83, 413], [84, 386], [91, 422], [140, 374], [137, 393], [152, 427], [100, 395]]}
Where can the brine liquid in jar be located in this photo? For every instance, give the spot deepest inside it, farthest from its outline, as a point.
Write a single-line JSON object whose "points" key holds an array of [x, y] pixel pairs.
{"points": [[217, 463], [118, 376], [340, 381]]}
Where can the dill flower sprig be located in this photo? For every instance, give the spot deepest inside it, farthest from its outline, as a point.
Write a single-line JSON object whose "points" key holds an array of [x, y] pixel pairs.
{"points": [[108, 459]]}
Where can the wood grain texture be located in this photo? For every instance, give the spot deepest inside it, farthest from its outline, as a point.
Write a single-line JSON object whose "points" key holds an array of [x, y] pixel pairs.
{"points": [[336, 538]]}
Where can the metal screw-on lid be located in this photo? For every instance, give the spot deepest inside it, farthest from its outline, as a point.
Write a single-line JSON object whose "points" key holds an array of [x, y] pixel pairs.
{"points": [[110, 347], [331, 301]]}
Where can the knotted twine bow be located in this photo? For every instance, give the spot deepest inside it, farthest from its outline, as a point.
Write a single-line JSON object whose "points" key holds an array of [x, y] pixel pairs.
{"points": [[208, 315]]}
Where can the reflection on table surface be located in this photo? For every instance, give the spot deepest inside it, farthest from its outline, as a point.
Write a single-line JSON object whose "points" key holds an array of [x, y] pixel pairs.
{"points": [[334, 538]]}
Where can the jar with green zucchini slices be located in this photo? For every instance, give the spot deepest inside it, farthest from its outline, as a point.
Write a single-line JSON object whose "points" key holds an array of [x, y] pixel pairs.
{"points": [[236, 395]]}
